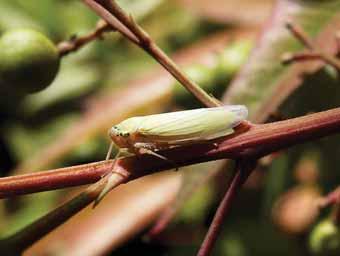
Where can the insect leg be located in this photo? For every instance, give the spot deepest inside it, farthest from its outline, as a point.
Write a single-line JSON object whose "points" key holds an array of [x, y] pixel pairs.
{"points": [[109, 152], [147, 148], [150, 152]]}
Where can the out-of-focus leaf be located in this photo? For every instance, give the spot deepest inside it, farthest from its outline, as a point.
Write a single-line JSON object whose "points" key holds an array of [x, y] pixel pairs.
{"points": [[276, 182], [35, 206], [325, 238], [24, 142], [12, 17], [264, 83], [197, 207], [232, 245], [184, 32], [41, 13], [63, 18], [70, 24], [257, 238], [139, 8], [247, 12], [232, 58], [213, 78], [75, 79]]}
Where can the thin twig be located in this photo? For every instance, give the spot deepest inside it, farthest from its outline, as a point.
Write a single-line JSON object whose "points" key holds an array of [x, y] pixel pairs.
{"points": [[114, 15], [111, 20], [75, 43], [301, 35], [21, 240], [335, 215], [337, 41], [288, 57], [332, 198], [314, 50], [243, 170], [259, 140]]}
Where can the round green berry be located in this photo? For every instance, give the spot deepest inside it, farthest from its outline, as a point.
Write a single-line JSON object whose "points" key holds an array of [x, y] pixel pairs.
{"points": [[29, 61], [325, 238]]}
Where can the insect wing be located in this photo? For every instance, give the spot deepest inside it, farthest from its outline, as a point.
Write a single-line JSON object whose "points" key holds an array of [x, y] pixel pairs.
{"points": [[192, 125]]}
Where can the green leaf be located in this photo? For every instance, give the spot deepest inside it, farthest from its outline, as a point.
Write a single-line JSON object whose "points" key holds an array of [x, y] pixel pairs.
{"points": [[12, 17], [264, 82], [75, 79], [139, 8]]}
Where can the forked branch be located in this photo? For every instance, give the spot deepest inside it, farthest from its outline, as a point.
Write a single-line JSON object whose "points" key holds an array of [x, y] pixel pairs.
{"points": [[314, 52], [122, 22]]}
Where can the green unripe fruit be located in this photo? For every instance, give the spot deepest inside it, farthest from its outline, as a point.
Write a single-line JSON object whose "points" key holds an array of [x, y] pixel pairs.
{"points": [[29, 61], [325, 239]]}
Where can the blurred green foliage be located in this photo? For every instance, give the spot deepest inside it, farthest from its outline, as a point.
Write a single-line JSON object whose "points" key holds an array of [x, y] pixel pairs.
{"points": [[325, 238], [106, 66], [214, 78]]}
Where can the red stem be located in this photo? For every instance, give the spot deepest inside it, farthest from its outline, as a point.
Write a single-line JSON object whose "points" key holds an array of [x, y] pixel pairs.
{"points": [[258, 141], [224, 208]]}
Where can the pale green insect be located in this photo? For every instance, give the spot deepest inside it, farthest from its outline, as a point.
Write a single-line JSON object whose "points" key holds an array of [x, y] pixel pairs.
{"points": [[144, 133], [148, 134]]}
